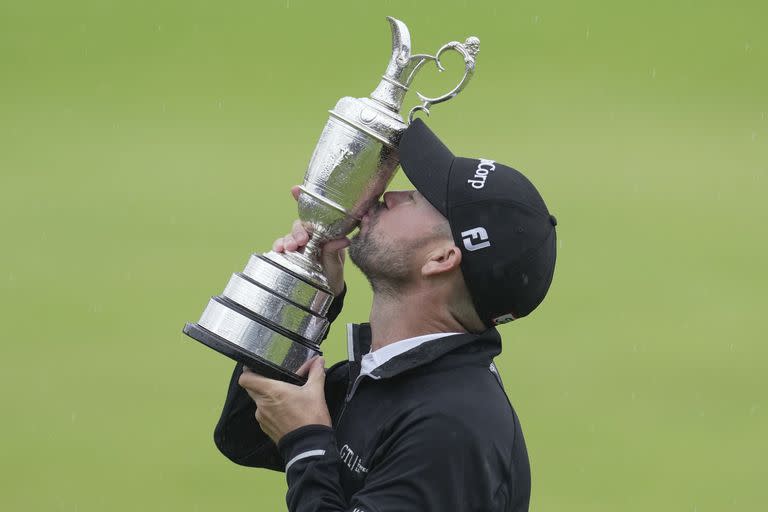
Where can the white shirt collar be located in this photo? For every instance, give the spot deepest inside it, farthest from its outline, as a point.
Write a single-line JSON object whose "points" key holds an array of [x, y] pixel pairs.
{"points": [[376, 358]]}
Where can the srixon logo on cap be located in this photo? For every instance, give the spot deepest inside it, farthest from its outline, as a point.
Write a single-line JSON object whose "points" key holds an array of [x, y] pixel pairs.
{"points": [[503, 319], [481, 173]]}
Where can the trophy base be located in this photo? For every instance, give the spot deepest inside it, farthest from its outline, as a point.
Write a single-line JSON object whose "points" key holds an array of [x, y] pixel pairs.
{"points": [[270, 317], [237, 353]]}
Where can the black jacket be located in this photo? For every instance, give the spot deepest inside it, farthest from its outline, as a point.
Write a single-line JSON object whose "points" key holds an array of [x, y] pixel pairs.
{"points": [[429, 430]]}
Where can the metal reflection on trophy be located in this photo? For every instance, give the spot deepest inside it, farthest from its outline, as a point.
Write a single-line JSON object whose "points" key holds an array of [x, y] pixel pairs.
{"points": [[271, 316]]}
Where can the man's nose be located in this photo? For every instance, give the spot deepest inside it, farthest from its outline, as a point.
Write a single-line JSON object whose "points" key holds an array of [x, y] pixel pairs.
{"points": [[393, 198]]}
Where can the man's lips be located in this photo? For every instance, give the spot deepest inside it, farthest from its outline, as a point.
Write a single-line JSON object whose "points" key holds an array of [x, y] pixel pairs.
{"points": [[367, 216], [372, 211]]}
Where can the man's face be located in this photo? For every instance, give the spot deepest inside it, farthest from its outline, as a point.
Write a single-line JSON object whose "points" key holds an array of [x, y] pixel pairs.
{"points": [[394, 238]]}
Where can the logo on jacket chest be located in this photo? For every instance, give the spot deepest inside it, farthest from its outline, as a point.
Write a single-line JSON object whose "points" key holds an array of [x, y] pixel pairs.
{"points": [[352, 461]]}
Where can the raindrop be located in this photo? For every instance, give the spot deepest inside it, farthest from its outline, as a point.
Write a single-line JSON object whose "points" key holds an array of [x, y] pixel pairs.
{"points": [[653, 72], [747, 46], [73, 416], [587, 32], [753, 409], [754, 136], [535, 19]]}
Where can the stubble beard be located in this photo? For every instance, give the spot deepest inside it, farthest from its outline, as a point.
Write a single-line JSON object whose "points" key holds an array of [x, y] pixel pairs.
{"points": [[384, 266]]}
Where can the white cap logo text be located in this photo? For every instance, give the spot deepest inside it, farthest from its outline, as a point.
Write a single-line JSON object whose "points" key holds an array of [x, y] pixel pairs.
{"points": [[481, 173]]}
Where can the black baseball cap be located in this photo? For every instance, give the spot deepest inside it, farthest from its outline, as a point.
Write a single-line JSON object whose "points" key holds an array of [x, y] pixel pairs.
{"points": [[498, 220]]}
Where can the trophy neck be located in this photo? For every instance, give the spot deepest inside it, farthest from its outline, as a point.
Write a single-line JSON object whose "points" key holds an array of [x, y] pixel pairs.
{"points": [[401, 68], [394, 83], [390, 94]]}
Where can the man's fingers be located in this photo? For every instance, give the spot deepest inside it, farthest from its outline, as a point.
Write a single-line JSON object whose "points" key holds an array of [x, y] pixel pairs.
{"points": [[289, 243], [299, 233], [298, 237], [303, 370], [254, 396], [316, 375], [256, 383], [295, 191]]}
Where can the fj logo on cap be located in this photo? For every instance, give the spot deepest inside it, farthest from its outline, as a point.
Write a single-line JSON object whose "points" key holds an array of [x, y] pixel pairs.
{"points": [[481, 173], [475, 238]]}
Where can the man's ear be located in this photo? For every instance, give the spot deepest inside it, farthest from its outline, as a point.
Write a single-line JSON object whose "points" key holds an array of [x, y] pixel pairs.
{"points": [[441, 259]]}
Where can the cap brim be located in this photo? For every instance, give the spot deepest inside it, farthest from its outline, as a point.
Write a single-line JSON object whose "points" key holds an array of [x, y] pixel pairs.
{"points": [[426, 162]]}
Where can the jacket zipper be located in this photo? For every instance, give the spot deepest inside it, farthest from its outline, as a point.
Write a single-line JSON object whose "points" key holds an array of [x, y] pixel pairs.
{"points": [[350, 370], [347, 395]]}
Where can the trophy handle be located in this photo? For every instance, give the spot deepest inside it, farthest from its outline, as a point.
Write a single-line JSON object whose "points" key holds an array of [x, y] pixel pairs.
{"points": [[468, 49]]}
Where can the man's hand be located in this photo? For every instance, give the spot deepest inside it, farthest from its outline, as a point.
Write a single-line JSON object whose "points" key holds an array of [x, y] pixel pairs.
{"points": [[283, 407], [333, 251]]}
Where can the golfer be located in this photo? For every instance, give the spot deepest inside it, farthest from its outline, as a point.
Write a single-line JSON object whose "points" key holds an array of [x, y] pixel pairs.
{"points": [[417, 418]]}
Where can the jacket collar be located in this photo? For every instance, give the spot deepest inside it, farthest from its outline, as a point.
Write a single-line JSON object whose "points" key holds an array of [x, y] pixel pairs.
{"points": [[359, 343]]}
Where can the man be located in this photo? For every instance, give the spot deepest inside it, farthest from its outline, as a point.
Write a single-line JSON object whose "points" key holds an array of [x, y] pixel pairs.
{"points": [[417, 418]]}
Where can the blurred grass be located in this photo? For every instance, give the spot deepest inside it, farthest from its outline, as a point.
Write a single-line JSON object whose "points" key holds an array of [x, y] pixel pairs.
{"points": [[147, 148]]}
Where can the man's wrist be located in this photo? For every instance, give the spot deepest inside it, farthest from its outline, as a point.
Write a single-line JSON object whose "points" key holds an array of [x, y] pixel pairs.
{"points": [[306, 440], [336, 306]]}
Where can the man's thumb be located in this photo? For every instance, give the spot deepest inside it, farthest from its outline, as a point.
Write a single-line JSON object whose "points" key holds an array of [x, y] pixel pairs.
{"points": [[317, 372], [332, 249]]}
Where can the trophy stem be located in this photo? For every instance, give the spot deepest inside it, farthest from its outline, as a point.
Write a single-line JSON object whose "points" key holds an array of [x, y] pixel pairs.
{"points": [[313, 250]]}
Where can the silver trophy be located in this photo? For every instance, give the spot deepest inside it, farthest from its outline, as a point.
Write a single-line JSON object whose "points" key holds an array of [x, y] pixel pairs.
{"points": [[271, 316]]}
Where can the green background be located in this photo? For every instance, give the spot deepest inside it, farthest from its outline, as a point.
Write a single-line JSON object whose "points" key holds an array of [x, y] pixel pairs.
{"points": [[147, 148]]}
